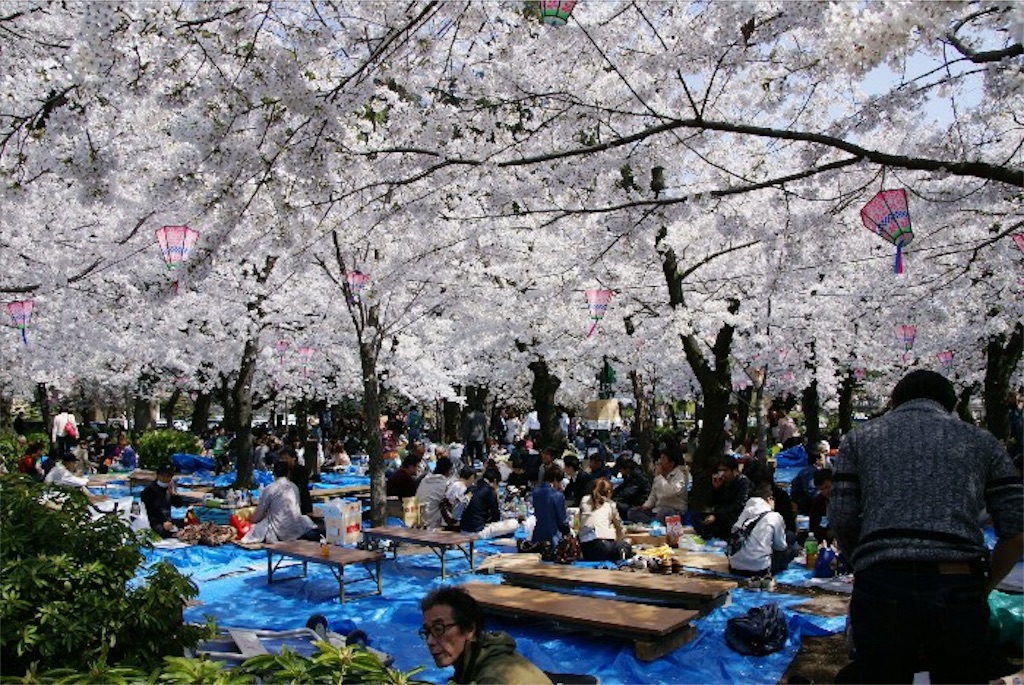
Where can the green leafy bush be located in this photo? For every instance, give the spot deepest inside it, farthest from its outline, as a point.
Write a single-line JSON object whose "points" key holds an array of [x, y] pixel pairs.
{"points": [[156, 447], [329, 664], [67, 596], [10, 452]]}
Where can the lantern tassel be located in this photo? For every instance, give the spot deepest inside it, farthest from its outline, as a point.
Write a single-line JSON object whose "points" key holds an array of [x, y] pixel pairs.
{"points": [[898, 266], [24, 336]]}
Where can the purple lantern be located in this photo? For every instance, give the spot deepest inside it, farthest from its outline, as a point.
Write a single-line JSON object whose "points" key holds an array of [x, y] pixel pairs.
{"points": [[946, 359], [20, 313], [357, 282], [906, 335]]}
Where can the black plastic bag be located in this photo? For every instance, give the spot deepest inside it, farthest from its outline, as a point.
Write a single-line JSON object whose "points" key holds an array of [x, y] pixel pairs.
{"points": [[762, 630]]}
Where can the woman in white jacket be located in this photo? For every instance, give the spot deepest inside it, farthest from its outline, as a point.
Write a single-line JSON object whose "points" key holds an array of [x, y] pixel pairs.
{"points": [[601, 536], [669, 490], [765, 550]]}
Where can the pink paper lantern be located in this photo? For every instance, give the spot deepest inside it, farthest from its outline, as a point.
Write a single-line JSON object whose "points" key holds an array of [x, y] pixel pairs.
{"points": [[282, 346], [946, 359], [176, 243], [888, 216], [556, 12], [597, 302], [20, 313], [357, 282], [860, 374], [906, 335], [307, 354]]}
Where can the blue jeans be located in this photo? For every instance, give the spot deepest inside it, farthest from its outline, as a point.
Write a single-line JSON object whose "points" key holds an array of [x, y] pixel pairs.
{"points": [[916, 617]]}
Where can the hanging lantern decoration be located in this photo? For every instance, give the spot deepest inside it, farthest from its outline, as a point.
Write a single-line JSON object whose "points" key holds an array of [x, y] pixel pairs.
{"points": [[282, 346], [357, 282], [307, 354], [1018, 238], [888, 216], [946, 359], [597, 302], [20, 313], [906, 335], [176, 243], [556, 12], [788, 377], [860, 374]]}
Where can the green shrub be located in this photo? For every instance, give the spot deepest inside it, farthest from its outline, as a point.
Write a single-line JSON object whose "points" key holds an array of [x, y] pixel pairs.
{"points": [[10, 452], [329, 664], [156, 447], [67, 590]]}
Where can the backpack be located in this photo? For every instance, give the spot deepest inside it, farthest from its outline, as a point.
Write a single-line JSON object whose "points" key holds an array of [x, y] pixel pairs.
{"points": [[760, 631], [739, 537]]}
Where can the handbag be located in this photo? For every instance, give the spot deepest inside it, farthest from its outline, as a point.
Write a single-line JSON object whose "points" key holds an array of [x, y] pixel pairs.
{"points": [[739, 537], [568, 550], [760, 631], [70, 431]]}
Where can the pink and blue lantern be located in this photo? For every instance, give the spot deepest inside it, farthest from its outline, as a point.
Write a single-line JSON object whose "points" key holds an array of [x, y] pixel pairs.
{"points": [[906, 335], [357, 283], [282, 346], [597, 303], [946, 359], [888, 216], [860, 374], [20, 313], [307, 354], [176, 243], [556, 12]]}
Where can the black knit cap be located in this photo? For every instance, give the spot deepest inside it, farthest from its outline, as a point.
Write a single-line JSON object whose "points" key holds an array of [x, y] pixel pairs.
{"points": [[923, 384]]}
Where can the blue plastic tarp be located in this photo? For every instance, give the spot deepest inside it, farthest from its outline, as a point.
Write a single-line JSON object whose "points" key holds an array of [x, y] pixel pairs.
{"points": [[794, 456], [233, 588], [187, 463]]}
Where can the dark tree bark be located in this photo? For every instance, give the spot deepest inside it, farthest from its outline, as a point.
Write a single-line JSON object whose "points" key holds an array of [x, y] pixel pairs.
{"points": [[371, 413], [43, 400], [172, 403], [451, 423], [846, 388], [201, 413], [963, 403], [1003, 354], [744, 405], [241, 402], [811, 406], [545, 385]]}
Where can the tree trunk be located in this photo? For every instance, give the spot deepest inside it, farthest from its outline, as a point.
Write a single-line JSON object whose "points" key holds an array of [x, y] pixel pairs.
{"points": [[241, 403], [543, 390], [846, 388], [762, 424], [963, 403], [643, 427], [371, 424], [201, 413], [451, 427], [172, 402], [43, 400], [812, 426], [1003, 354], [744, 400]]}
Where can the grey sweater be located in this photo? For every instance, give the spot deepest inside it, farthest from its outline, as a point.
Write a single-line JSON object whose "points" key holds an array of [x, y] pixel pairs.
{"points": [[912, 485]]}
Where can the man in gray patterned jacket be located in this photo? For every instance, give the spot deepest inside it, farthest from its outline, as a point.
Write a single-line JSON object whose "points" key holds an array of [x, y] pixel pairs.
{"points": [[909, 491]]}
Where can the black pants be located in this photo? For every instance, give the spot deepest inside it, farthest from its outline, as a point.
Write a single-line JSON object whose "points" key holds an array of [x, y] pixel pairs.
{"points": [[606, 550]]}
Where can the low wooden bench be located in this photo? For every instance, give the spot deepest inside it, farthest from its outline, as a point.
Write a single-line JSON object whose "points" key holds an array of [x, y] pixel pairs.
{"points": [[654, 630], [336, 560], [440, 542], [689, 593], [340, 491]]}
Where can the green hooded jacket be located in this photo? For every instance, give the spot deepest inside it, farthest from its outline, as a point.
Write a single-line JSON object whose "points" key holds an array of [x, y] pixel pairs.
{"points": [[492, 658]]}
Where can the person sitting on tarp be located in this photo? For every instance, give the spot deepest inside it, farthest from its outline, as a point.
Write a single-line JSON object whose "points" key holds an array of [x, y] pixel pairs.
{"points": [[601, 534], [668, 494], [765, 550], [158, 497], [453, 628], [64, 475], [634, 488], [277, 517], [403, 482], [580, 481], [482, 514], [298, 474], [819, 507], [549, 508], [729, 493], [431, 491]]}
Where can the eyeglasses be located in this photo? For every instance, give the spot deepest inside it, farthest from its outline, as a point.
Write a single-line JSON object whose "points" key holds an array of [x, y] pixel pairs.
{"points": [[436, 630]]}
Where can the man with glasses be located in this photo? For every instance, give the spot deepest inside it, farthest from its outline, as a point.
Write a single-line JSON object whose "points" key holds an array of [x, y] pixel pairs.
{"points": [[453, 628], [729, 494]]}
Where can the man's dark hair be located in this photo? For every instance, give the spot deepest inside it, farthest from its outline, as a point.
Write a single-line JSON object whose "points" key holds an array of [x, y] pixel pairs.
{"points": [[758, 471], [465, 472], [411, 460], [764, 491], [492, 476], [729, 462], [443, 466], [672, 453], [821, 476], [280, 469], [927, 385], [553, 474], [573, 461], [465, 610]]}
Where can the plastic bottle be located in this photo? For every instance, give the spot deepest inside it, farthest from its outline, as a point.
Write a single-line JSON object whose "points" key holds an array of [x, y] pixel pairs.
{"points": [[811, 552]]}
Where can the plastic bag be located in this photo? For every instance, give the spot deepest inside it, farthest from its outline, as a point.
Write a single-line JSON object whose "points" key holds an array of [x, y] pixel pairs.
{"points": [[760, 631]]}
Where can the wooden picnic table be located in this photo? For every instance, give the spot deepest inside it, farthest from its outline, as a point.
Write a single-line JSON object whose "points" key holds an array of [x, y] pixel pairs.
{"points": [[701, 594], [336, 560], [440, 542], [340, 491], [654, 630]]}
